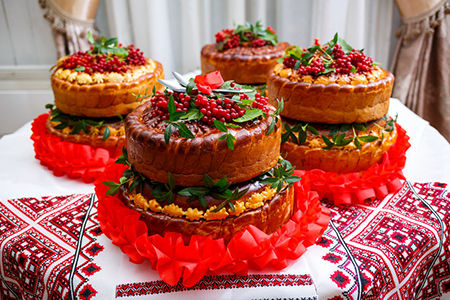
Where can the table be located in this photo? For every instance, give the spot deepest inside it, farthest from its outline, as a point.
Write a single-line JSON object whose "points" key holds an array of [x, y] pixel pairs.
{"points": [[92, 268]]}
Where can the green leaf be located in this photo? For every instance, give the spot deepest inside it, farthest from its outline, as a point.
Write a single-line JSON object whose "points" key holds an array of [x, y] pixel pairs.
{"points": [[313, 130], [222, 182], [230, 141], [359, 126], [106, 132], [77, 128], [345, 47], [339, 138], [345, 127], [90, 38], [208, 181], [190, 86], [167, 133], [192, 114], [250, 114], [367, 138], [171, 105], [79, 69], [344, 142], [271, 126], [111, 41], [49, 106], [357, 144], [185, 132], [171, 181], [327, 141], [175, 116], [231, 205], [292, 179], [134, 184], [202, 201], [220, 125]]}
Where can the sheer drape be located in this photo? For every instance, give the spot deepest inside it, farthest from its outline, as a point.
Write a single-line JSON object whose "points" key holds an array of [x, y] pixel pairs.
{"points": [[173, 31], [70, 21], [422, 61]]}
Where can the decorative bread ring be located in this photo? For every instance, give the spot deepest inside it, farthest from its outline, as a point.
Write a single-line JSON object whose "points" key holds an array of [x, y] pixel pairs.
{"points": [[261, 206], [105, 99], [189, 159], [331, 102], [244, 64], [96, 137], [364, 148]]}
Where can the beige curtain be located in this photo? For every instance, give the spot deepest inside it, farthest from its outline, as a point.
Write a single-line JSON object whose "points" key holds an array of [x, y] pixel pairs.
{"points": [[71, 20], [422, 61]]}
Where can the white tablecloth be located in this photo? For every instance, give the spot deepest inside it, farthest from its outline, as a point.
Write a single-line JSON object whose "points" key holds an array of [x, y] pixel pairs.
{"points": [[21, 175]]}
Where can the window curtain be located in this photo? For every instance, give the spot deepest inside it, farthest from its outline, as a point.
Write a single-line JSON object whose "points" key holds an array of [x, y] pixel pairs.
{"points": [[70, 21], [174, 31], [422, 61]]}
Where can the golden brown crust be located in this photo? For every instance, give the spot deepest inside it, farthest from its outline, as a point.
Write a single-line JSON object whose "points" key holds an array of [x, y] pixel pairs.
{"points": [[331, 103], [114, 143], [268, 218], [244, 65], [189, 159], [339, 159], [103, 99]]}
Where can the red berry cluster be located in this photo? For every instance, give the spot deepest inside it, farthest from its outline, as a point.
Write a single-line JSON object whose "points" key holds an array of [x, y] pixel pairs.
{"points": [[135, 56], [102, 63], [224, 110], [289, 62], [315, 67], [160, 104], [342, 63], [260, 43]]}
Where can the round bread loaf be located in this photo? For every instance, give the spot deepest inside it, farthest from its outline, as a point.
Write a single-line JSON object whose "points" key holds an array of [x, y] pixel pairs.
{"points": [[341, 159], [104, 99], [189, 159], [329, 100], [243, 64], [272, 211]]}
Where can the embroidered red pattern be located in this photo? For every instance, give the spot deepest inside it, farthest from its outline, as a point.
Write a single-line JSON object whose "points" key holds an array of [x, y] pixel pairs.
{"points": [[214, 282]]}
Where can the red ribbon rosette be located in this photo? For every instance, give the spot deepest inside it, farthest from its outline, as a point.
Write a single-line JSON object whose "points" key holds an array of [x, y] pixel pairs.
{"points": [[210, 81], [66, 158], [250, 248], [376, 182]]}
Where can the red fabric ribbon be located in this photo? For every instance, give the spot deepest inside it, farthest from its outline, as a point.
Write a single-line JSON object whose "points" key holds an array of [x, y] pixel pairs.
{"points": [[66, 158], [250, 248], [376, 182]]}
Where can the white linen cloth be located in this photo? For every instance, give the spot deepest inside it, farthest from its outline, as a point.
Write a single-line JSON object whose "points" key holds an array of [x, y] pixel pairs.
{"points": [[21, 175]]}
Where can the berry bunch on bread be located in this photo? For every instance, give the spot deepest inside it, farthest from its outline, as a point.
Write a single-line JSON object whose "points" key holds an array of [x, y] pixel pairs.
{"points": [[245, 54], [206, 161], [336, 101]]}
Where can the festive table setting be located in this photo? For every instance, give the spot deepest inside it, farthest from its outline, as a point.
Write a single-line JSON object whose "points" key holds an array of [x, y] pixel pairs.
{"points": [[394, 247]]}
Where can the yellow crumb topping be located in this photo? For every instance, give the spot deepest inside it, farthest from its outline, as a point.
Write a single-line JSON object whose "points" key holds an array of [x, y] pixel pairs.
{"points": [[220, 215], [256, 200], [353, 78], [173, 210], [140, 201], [96, 78], [154, 205], [194, 214], [84, 78], [72, 76], [239, 208]]}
